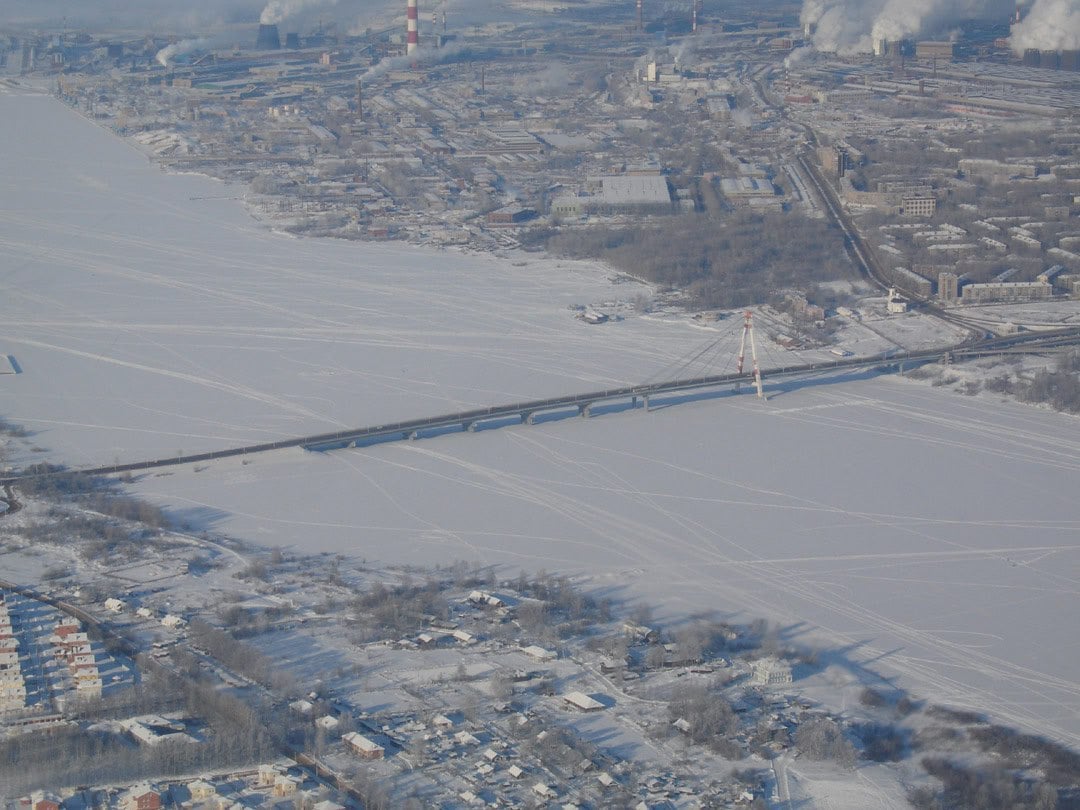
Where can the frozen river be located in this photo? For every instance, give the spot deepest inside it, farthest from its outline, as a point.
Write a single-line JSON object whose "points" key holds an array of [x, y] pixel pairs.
{"points": [[933, 537]]}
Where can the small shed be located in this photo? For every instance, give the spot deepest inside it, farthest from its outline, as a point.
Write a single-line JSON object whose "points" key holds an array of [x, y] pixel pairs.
{"points": [[539, 653]]}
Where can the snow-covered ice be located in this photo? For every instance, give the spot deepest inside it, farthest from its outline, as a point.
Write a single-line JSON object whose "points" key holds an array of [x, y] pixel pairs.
{"points": [[927, 535]]}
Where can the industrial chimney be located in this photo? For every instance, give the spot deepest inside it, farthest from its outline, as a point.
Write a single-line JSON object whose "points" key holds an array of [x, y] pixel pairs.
{"points": [[269, 39], [292, 40], [412, 34]]}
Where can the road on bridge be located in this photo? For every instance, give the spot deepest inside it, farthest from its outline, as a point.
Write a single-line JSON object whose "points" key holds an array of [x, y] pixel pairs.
{"points": [[525, 411]]}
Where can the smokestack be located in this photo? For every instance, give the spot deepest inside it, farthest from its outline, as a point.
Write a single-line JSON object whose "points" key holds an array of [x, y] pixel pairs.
{"points": [[412, 33], [359, 100], [292, 40], [640, 15], [693, 16], [268, 39]]}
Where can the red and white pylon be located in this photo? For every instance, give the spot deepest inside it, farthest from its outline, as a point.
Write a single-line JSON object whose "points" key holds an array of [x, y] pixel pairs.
{"points": [[412, 33], [748, 329]]}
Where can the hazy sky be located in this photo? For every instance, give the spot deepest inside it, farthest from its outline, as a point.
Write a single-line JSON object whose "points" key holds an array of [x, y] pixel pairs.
{"points": [[176, 15], [204, 16]]}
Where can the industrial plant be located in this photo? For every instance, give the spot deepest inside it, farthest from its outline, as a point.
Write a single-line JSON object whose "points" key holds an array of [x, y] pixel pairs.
{"points": [[487, 134]]}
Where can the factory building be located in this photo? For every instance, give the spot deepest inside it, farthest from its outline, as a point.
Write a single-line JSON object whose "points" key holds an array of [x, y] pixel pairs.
{"points": [[268, 39], [928, 51], [1053, 60], [619, 194], [752, 192]]}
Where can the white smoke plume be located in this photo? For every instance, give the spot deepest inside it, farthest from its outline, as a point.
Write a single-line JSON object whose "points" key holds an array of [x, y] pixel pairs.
{"points": [[1051, 25], [184, 46], [841, 26], [902, 19], [424, 57], [852, 26], [278, 10], [795, 57]]}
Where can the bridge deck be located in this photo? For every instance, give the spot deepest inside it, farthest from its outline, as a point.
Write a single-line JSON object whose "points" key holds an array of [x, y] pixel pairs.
{"points": [[523, 410]]}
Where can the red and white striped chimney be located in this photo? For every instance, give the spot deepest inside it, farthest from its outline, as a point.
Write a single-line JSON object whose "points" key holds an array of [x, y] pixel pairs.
{"points": [[412, 13]]}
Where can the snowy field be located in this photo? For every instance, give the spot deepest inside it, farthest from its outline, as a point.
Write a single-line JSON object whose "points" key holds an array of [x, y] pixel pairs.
{"points": [[922, 534]]}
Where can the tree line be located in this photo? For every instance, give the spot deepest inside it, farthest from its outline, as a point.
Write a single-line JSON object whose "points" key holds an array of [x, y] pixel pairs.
{"points": [[730, 262]]}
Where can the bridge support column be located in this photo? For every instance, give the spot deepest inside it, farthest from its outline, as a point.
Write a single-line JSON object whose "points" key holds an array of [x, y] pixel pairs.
{"points": [[901, 368], [645, 399]]}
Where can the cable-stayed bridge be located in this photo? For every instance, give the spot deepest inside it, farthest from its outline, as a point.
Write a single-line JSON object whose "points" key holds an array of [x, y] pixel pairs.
{"points": [[641, 396]]}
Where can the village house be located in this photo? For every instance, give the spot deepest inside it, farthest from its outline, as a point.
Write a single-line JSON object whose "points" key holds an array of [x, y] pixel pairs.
{"points": [[465, 738], [141, 797], [582, 702], [441, 721], [285, 785], [363, 747], [41, 800], [201, 790], [543, 791], [770, 671], [539, 653]]}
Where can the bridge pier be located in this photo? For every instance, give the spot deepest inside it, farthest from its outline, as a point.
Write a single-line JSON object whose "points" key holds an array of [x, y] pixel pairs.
{"points": [[645, 399]]}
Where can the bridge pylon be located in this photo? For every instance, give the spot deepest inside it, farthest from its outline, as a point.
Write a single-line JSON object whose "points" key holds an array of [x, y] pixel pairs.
{"points": [[748, 331]]}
